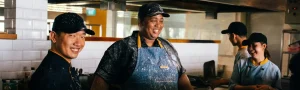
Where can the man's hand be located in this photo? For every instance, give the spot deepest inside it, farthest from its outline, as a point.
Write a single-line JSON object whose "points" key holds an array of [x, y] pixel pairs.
{"points": [[99, 84], [214, 84], [251, 87], [184, 83], [264, 87], [218, 82]]}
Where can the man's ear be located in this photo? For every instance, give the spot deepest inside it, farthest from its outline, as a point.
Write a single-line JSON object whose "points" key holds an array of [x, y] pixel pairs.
{"points": [[53, 36], [234, 35]]}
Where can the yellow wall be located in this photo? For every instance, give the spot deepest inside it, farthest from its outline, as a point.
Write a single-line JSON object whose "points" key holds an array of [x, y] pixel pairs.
{"points": [[99, 18]]}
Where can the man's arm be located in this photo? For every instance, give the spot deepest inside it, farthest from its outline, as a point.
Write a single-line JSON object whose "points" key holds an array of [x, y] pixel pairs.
{"points": [[240, 87], [235, 78], [99, 84], [293, 65], [277, 82], [109, 69], [218, 82], [184, 83]]}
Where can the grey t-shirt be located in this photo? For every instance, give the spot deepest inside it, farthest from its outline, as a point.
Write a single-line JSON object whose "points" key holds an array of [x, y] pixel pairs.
{"points": [[241, 54]]}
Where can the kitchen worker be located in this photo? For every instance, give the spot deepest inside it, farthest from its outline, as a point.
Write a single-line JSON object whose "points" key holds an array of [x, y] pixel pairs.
{"points": [[67, 40], [142, 61], [237, 32], [256, 72], [294, 67]]}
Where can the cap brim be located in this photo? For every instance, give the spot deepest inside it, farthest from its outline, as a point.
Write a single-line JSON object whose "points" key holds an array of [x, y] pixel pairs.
{"points": [[165, 15], [162, 13], [225, 31], [89, 31]]}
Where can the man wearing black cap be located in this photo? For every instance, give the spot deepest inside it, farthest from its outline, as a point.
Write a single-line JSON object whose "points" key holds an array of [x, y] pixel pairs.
{"points": [[142, 61], [67, 40], [237, 32], [294, 66]]}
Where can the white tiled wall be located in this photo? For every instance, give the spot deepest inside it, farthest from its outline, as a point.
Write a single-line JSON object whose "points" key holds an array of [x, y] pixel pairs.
{"points": [[22, 44], [12, 55], [6, 44], [1, 55], [31, 55], [31, 46], [192, 55], [90, 56], [24, 23], [21, 65], [32, 34], [27, 19], [6, 66]]}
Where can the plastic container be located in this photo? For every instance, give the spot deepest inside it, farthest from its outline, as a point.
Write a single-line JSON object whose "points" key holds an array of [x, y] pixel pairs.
{"points": [[1, 84], [6, 85], [14, 84]]}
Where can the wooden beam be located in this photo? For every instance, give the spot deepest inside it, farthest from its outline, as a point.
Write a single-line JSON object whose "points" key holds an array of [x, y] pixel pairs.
{"points": [[8, 36]]}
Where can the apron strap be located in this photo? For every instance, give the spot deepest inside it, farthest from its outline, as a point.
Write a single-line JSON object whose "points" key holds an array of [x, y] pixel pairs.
{"points": [[139, 41], [159, 42]]}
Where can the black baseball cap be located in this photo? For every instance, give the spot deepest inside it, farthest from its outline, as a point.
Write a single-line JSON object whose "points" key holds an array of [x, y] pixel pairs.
{"points": [[151, 9], [70, 23], [255, 37], [236, 28]]}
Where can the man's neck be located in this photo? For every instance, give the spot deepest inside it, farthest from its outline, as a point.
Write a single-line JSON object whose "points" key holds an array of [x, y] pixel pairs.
{"points": [[240, 42], [55, 51], [149, 42]]}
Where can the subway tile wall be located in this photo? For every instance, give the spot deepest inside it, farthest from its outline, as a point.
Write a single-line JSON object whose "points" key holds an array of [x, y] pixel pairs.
{"points": [[31, 46], [193, 61], [27, 19], [191, 58], [194, 55], [15, 61], [6, 44]]}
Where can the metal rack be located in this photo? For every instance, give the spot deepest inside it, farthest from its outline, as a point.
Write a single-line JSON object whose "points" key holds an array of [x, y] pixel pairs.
{"points": [[286, 56]]}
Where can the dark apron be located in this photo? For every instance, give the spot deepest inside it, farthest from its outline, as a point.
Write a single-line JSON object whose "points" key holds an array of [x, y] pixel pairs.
{"points": [[154, 70]]}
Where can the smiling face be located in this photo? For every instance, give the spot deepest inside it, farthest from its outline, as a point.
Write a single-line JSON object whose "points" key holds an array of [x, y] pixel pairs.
{"points": [[68, 45], [256, 49], [152, 26]]}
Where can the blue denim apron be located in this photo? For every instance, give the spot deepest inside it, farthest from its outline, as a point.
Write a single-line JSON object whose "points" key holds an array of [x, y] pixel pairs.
{"points": [[154, 70]]}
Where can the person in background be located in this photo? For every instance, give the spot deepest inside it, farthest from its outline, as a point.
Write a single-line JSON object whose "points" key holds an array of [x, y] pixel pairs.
{"points": [[256, 72], [237, 32], [294, 66], [67, 40], [142, 61]]}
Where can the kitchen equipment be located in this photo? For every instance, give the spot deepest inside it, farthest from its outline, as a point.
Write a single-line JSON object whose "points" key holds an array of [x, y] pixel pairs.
{"points": [[1, 84]]}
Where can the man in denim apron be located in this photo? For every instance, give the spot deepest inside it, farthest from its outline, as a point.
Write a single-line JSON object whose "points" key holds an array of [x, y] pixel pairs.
{"points": [[142, 61]]}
